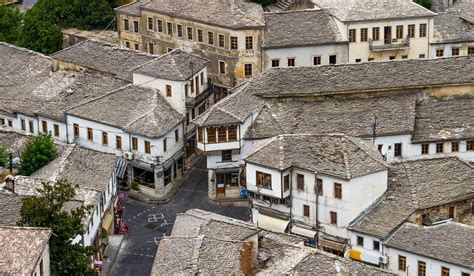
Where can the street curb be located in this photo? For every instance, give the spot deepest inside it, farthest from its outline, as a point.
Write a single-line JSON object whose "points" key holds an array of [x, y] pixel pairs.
{"points": [[115, 256]]}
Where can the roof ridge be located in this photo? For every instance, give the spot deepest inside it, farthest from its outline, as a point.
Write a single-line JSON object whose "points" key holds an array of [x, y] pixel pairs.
{"points": [[98, 98], [24, 49], [154, 105], [413, 192]]}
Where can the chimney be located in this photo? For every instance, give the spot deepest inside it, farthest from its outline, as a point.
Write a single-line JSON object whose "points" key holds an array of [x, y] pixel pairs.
{"points": [[10, 183]]}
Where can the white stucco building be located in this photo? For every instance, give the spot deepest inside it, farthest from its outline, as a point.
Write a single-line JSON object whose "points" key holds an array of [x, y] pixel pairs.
{"points": [[314, 185], [25, 251]]}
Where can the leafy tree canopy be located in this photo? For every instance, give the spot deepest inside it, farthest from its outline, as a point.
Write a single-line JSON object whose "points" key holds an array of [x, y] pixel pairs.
{"points": [[40, 28], [10, 24], [4, 156], [38, 152], [48, 210], [424, 3]]}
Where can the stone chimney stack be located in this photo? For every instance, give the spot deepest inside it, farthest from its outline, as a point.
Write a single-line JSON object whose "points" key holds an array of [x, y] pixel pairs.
{"points": [[10, 183]]}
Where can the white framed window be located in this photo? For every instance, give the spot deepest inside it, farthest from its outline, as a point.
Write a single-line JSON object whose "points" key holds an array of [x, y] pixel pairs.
{"points": [[150, 24], [222, 67]]}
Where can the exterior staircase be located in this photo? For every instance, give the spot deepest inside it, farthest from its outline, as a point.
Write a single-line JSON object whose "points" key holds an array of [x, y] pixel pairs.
{"points": [[279, 5]]}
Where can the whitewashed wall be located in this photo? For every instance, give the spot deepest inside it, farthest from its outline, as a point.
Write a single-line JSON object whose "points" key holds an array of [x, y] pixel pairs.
{"points": [[463, 47], [433, 267], [178, 98], [277, 187], [304, 55], [368, 253], [45, 257]]}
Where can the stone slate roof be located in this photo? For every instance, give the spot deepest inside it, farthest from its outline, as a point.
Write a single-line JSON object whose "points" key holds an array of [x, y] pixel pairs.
{"points": [[334, 155], [21, 248], [233, 109], [201, 255], [131, 9], [416, 185], [104, 57], [455, 25], [232, 14], [433, 242], [176, 65], [10, 209], [365, 10], [300, 28], [369, 76], [22, 69], [87, 168], [220, 249], [13, 140], [444, 119], [134, 109], [324, 263], [352, 115]]}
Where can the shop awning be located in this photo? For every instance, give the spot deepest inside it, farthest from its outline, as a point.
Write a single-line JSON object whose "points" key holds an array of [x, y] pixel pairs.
{"points": [[332, 244], [303, 232], [121, 167], [272, 224], [107, 221]]}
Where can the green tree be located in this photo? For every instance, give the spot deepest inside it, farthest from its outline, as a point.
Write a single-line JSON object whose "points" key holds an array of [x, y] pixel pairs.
{"points": [[38, 152], [4, 156], [96, 14], [48, 210], [424, 3], [10, 24]]}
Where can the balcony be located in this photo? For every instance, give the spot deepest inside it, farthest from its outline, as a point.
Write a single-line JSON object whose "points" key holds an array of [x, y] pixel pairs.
{"points": [[389, 45], [194, 101]]}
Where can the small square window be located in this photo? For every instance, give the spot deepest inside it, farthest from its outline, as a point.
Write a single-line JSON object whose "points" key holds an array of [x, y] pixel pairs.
{"points": [[234, 43], [455, 52], [404, 57], [439, 148], [454, 146], [333, 216], [421, 56], [360, 241], [392, 57], [338, 190], [470, 51], [306, 211], [316, 60], [222, 66], [248, 70], [376, 245], [470, 145], [275, 63], [439, 52], [300, 182], [332, 59], [398, 150], [358, 60], [291, 62], [221, 42], [249, 43], [425, 148]]}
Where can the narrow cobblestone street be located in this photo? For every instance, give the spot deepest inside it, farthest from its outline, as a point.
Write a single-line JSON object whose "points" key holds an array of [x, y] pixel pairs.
{"points": [[148, 223]]}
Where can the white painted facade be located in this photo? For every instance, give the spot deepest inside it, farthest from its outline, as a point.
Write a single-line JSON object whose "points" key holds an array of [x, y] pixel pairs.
{"points": [[304, 56], [433, 266], [357, 194], [43, 266], [157, 144], [448, 48], [368, 252], [95, 222], [360, 49], [178, 88]]}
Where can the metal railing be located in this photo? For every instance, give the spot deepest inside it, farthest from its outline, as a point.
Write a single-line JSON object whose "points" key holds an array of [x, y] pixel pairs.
{"points": [[387, 44]]}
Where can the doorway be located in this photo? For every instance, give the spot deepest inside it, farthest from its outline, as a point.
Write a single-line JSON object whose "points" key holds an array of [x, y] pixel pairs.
{"points": [[387, 35]]}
